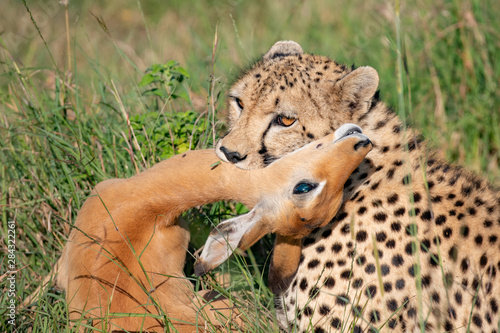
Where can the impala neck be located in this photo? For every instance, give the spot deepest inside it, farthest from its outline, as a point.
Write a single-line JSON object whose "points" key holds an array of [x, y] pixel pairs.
{"points": [[196, 178]]}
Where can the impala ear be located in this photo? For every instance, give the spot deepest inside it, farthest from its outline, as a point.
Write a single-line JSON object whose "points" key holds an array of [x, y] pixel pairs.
{"points": [[282, 49], [284, 263], [358, 86], [239, 232]]}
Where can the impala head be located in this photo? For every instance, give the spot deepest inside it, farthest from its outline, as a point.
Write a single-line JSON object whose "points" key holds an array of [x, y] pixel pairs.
{"points": [[305, 192]]}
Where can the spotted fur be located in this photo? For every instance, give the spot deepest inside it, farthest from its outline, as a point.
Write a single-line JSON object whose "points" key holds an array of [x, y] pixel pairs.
{"points": [[416, 244]]}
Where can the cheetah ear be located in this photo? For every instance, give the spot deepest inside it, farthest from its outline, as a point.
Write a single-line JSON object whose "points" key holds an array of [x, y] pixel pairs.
{"points": [[358, 87], [282, 49], [284, 263]]}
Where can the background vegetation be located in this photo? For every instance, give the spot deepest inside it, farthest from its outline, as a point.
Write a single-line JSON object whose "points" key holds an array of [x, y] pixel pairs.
{"points": [[91, 90]]}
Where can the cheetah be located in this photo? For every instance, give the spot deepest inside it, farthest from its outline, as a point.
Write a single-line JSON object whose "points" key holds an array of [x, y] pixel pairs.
{"points": [[415, 245], [127, 251]]}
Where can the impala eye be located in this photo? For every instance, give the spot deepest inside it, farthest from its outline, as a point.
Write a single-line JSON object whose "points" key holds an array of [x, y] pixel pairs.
{"points": [[285, 121], [351, 132], [239, 102], [304, 187]]}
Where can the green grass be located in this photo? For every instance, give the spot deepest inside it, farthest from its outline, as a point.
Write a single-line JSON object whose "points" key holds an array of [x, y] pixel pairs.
{"points": [[74, 115]]}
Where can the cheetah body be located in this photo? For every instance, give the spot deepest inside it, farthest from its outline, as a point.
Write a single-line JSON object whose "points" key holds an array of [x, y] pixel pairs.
{"points": [[415, 246]]}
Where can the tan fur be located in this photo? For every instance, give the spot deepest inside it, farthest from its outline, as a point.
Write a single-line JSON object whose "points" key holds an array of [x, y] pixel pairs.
{"points": [[284, 262], [291, 216], [127, 250], [104, 273], [401, 186]]}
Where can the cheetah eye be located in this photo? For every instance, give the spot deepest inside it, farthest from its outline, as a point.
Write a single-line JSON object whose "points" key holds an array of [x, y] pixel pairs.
{"points": [[239, 103], [285, 121], [304, 187]]}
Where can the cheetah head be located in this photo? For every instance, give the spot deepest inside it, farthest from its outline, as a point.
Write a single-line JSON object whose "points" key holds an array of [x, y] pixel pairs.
{"points": [[289, 99]]}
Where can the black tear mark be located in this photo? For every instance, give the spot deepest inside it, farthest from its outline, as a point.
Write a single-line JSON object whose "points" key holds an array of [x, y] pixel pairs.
{"points": [[268, 159], [263, 149]]}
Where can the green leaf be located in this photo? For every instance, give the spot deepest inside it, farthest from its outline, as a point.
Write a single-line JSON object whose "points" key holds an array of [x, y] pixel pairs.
{"points": [[146, 80], [183, 72], [157, 68], [171, 63]]}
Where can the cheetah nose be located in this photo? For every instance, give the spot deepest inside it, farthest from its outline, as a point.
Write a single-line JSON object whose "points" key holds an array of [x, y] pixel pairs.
{"points": [[232, 156]]}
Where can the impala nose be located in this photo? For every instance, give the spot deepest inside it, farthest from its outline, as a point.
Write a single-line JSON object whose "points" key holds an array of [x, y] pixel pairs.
{"points": [[362, 143], [232, 156]]}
